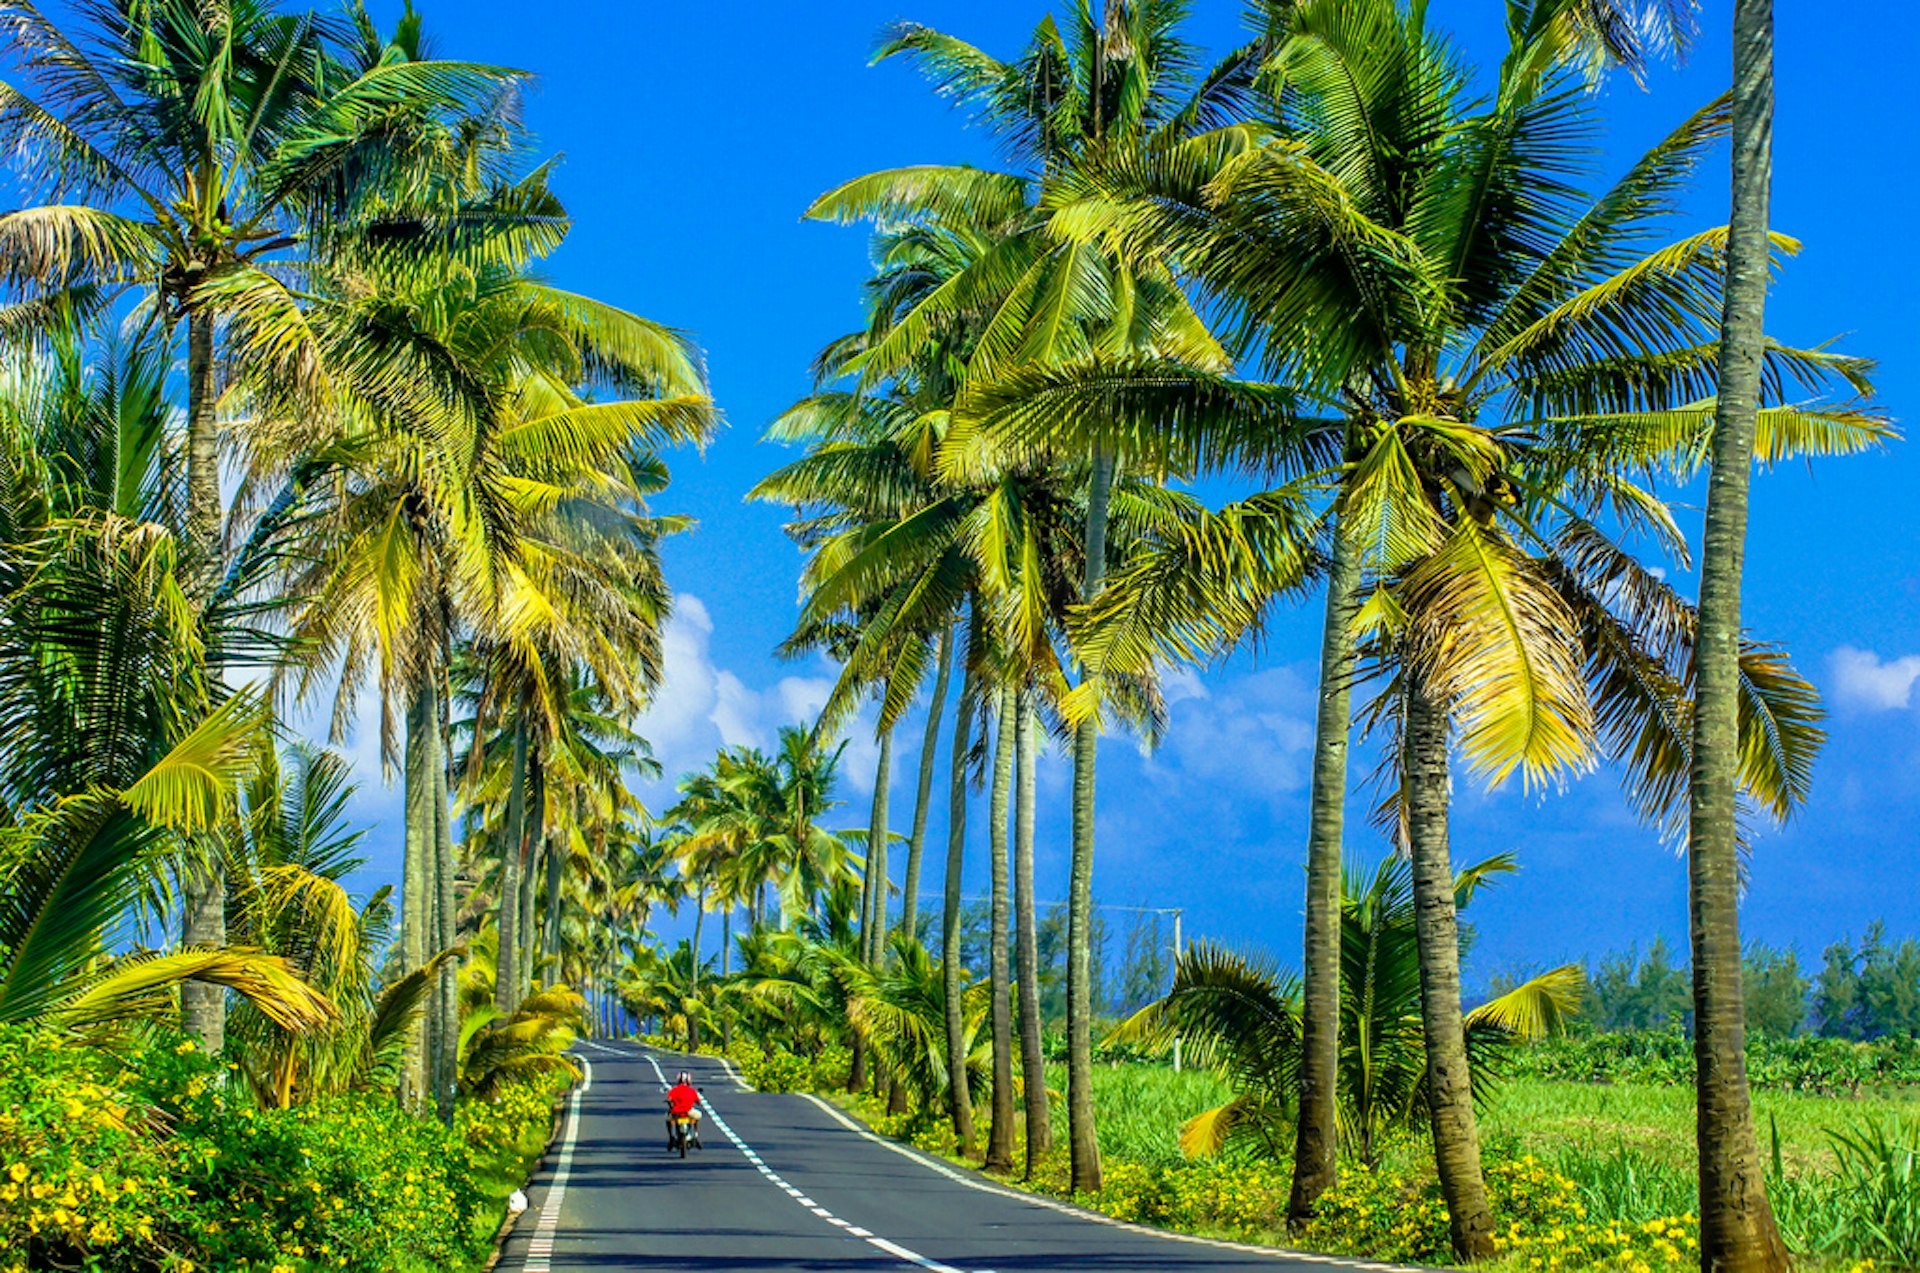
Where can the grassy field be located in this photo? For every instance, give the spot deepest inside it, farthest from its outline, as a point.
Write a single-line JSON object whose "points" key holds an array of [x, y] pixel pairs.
{"points": [[1626, 1149], [1544, 1118], [1141, 1107]]}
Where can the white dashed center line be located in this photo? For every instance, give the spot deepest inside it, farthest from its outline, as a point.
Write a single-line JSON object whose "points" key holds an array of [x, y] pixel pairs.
{"points": [[852, 1230]]}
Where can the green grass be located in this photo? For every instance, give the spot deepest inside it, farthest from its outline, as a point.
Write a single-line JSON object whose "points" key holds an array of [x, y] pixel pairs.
{"points": [[1139, 1108], [1545, 1117]]}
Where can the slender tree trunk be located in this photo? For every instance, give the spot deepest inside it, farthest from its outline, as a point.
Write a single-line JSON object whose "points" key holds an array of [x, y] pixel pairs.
{"points": [[507, 973], [556, 908], [1081, 1137], [1315, 1132], [531, 973], [959, 1099], [1737, 1229], [1000, 1134], [1033, 1061], [446, 1074], [203, 1006], [923, 797], [419, 883], [726, 970], [699, 920], [873, 919], [1456, 1136]]}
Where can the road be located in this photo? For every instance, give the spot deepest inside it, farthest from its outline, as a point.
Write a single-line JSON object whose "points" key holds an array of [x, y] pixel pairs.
{"points": [[788, 1183]]}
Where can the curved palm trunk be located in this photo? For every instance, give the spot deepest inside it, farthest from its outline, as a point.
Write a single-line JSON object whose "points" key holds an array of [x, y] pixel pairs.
{"points": [[873, 914], [446, 1066], [1033, 1062], [1000, 1133], [506, 980], [1081, 1137], [203, 1006], [419, 882], [1456, 1135], [959, 1099], [1315, 1132], [1737, 1229], [923, 792]]}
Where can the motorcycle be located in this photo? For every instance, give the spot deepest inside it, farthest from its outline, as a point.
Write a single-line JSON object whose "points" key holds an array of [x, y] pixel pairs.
{"points": [[685, 1133]]}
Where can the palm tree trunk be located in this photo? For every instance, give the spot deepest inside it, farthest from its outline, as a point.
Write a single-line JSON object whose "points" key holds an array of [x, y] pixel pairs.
{"points": [[699, 920], [959, 1099], [507, 972], [446, 1071], [1737, 1229], [873, 915], [1315, 1136], [1456, 1136], [1081, 1138], [556, 868], [1000, 1134], [923, 797], [530, 875], [1033, 1062], [726, 970], [203, 1006], [419, 885]]}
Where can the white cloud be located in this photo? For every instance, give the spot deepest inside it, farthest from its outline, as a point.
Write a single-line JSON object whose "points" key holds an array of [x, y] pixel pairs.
{"points": [[1252, 735], [1862, 679], [701, 706]]}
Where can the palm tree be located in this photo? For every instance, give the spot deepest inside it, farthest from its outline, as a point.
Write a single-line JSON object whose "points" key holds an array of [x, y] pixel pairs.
{"points": [[119, 761], [1328, 239], [220, 150], [1243, 1020], [1110, 84], [1737, 1230], [512, 506]]}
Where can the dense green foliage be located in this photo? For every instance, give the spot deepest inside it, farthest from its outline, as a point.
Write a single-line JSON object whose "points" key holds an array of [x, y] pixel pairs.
{"points": [[1802, 1063], [143, 1158]]}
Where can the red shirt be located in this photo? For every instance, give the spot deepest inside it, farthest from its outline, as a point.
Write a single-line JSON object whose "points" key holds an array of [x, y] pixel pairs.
{"points": [[682, 1098]]}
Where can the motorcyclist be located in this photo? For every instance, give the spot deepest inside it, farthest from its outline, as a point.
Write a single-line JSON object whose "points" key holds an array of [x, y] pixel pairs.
{"points": [[683, 1101]]}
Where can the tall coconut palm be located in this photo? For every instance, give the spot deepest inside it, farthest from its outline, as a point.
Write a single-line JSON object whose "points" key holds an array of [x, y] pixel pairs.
{"points": [[1110, 82], [1737, 1230], [1364, 254], [120, 760], [511, 506], [204, 155]]}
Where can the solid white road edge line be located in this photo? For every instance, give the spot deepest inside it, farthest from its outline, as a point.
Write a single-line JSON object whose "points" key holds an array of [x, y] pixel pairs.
{"points": [[891, 1248], [540, 1249], [1053, 1204]]}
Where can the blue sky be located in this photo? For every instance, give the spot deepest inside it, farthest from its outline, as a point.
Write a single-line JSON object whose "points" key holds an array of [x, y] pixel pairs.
{"points": [[692, 136]]}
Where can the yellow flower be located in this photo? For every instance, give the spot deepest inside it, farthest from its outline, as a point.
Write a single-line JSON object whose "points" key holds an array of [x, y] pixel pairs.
{"points": [[185, 1047], [17, 1172]]}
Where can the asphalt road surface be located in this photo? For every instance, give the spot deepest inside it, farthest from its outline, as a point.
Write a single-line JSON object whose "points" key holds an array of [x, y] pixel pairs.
{"points": [[787, 1183]]}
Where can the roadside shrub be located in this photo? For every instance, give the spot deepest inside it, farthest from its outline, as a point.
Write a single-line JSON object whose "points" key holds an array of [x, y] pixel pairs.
{"points": [[777, 1071], [149, 1161], [1820, 1066]]}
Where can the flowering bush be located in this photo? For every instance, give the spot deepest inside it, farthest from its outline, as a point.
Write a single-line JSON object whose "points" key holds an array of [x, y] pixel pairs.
{"points": [[152, 1161], [779, 1071], [1538, 1213]]}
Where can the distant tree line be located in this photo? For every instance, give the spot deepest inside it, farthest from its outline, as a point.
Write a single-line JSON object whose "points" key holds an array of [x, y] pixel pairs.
{"points": [[1869, 989]]}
